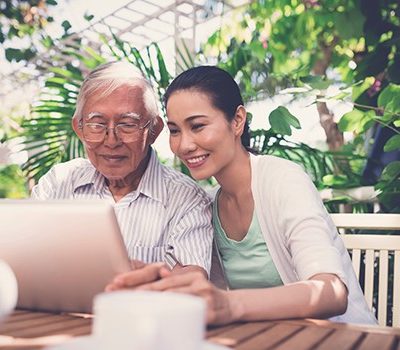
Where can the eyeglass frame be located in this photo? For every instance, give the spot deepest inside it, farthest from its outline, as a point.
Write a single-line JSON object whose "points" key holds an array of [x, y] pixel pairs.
{"points": [[107, 128]]}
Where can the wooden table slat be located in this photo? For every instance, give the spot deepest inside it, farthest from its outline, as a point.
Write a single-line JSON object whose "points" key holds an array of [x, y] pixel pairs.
{"points": [[16, 318], [271, 337], [61, 326], [81, 330], [236, 335], [215, 331], [305, 339], [343, 339], [18, 312], [378, 341], [34, 330], [33, 323]]}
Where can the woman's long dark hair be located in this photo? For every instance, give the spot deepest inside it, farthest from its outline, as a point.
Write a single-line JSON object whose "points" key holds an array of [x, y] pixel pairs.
{"points": [[218, 84]]}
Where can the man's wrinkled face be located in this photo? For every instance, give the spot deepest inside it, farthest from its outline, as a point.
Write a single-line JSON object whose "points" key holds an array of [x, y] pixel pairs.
{"points": [[117, 159]]}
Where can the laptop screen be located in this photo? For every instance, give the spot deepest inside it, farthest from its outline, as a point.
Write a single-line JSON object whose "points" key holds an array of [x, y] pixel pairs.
{"points": [[62, 252]]}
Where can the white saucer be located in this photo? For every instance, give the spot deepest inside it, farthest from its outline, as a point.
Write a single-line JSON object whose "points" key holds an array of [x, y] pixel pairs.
{"points": [[90, 343], [211, 346]]}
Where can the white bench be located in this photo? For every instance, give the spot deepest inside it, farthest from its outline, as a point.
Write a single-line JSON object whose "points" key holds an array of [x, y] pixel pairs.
{"points": [[375, 250]]}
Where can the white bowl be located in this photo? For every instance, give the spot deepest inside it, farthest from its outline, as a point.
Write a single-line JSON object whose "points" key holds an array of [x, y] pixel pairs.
{"points": [[8, 289]]}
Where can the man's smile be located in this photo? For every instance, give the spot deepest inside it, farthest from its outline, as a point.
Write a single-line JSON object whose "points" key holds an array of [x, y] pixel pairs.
{"points": [[113, 158]]}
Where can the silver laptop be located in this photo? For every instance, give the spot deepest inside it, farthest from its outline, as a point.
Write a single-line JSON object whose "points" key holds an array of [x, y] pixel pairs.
{"points": [[62, 252]]}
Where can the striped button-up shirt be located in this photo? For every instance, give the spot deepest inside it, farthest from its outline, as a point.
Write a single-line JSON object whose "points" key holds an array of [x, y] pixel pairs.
{"points": [[167, 213]]}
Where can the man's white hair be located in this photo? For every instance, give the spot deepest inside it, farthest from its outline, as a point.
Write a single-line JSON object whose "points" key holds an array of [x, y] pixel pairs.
{"points": [[108, 77]]}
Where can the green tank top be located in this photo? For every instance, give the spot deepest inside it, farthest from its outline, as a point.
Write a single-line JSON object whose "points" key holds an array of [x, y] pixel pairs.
{"points": [[247, 263]]}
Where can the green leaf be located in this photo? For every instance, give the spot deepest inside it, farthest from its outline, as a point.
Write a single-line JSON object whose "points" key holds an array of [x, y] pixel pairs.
{"points": [[2, 37], [65, 73], [47, 41], [389, 100], [391, 171], [349, 24], [88, 17], [392, 144], [361, 87], [164, 75], [388, 94], [340, 96], [185, 60], [51, 2], [14, 54], [335, 181], [316, 82], [281, 121], [12, 32], [356, 121], [66, 25]]}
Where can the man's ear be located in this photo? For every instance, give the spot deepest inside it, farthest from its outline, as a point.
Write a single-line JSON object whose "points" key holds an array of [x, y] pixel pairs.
{"points": [[239, 121], [77, 129], [156, 129]]}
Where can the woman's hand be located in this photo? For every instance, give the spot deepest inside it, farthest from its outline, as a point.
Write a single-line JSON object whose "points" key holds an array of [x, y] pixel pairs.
{"points": [[141, 274], [220, 308]]}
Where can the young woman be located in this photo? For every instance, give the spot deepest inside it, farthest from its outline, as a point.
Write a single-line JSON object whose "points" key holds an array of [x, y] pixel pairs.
{"points": [[280, 250]]}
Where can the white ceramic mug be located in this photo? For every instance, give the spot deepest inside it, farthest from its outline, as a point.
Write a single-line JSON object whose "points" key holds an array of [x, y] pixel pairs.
{"points": [[149, 321], [8, 289]]}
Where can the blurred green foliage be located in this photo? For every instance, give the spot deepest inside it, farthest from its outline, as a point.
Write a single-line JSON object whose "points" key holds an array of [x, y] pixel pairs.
{"points": [[302, 48], [24, 19], [12, 182]]}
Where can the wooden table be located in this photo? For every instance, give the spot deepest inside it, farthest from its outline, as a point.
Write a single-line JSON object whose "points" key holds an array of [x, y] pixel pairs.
{"points": [[35, 330]]}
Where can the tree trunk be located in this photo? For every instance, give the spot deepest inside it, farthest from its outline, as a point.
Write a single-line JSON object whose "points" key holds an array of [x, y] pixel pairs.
{"points": [[334, 138]]}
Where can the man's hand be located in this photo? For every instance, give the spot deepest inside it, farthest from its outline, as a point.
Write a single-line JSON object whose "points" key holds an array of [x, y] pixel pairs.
{"points": [[178, 269], [141, 274], [137, 264]]}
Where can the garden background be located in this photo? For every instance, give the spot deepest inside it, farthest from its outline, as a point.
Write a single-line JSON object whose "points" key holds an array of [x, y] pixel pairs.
{"points": [[336, 59]]}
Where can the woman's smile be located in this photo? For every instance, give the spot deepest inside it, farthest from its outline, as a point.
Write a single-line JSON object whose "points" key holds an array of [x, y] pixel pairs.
{"points": [[195, 162]]}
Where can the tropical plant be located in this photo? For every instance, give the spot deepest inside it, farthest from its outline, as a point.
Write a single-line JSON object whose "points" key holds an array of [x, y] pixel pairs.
{"points": [[312, 46], [49, 137], [327, 169]]}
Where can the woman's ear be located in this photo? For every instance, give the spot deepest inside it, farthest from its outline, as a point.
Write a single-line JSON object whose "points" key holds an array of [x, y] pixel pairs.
{"points": [[239, 120], [156, 129]]}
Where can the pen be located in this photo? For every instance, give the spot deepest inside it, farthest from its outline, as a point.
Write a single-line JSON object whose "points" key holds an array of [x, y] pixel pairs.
{"points": [[171, 260]]}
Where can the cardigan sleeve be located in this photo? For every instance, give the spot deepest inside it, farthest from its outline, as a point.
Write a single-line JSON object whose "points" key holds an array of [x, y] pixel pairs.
{"points": [[298, 217], [305, 223]]}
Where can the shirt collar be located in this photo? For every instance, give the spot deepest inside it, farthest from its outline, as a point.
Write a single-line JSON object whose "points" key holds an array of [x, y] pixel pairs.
{"points": [[90, 176], [151, 185]]}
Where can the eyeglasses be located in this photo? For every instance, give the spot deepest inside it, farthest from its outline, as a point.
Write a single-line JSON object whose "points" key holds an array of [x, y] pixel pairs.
{"points": [[126, 132]]}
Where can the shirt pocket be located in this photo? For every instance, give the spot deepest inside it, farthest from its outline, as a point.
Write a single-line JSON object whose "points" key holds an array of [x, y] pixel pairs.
{"points": [[148, 254]]}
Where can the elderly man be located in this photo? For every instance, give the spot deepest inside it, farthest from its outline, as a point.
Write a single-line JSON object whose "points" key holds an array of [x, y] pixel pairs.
{"points": [[161, 212]]}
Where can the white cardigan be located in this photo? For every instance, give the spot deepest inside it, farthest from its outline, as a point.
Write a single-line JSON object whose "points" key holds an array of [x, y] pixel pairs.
{"points": [[300, 235]]}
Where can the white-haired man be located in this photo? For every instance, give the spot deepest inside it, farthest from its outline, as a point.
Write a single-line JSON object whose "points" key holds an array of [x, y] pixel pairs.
{"points": [[161, 212]]}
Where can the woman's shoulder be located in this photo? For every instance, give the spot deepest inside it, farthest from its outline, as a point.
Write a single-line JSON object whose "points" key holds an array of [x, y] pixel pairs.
{"points": [[273, 164]]}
